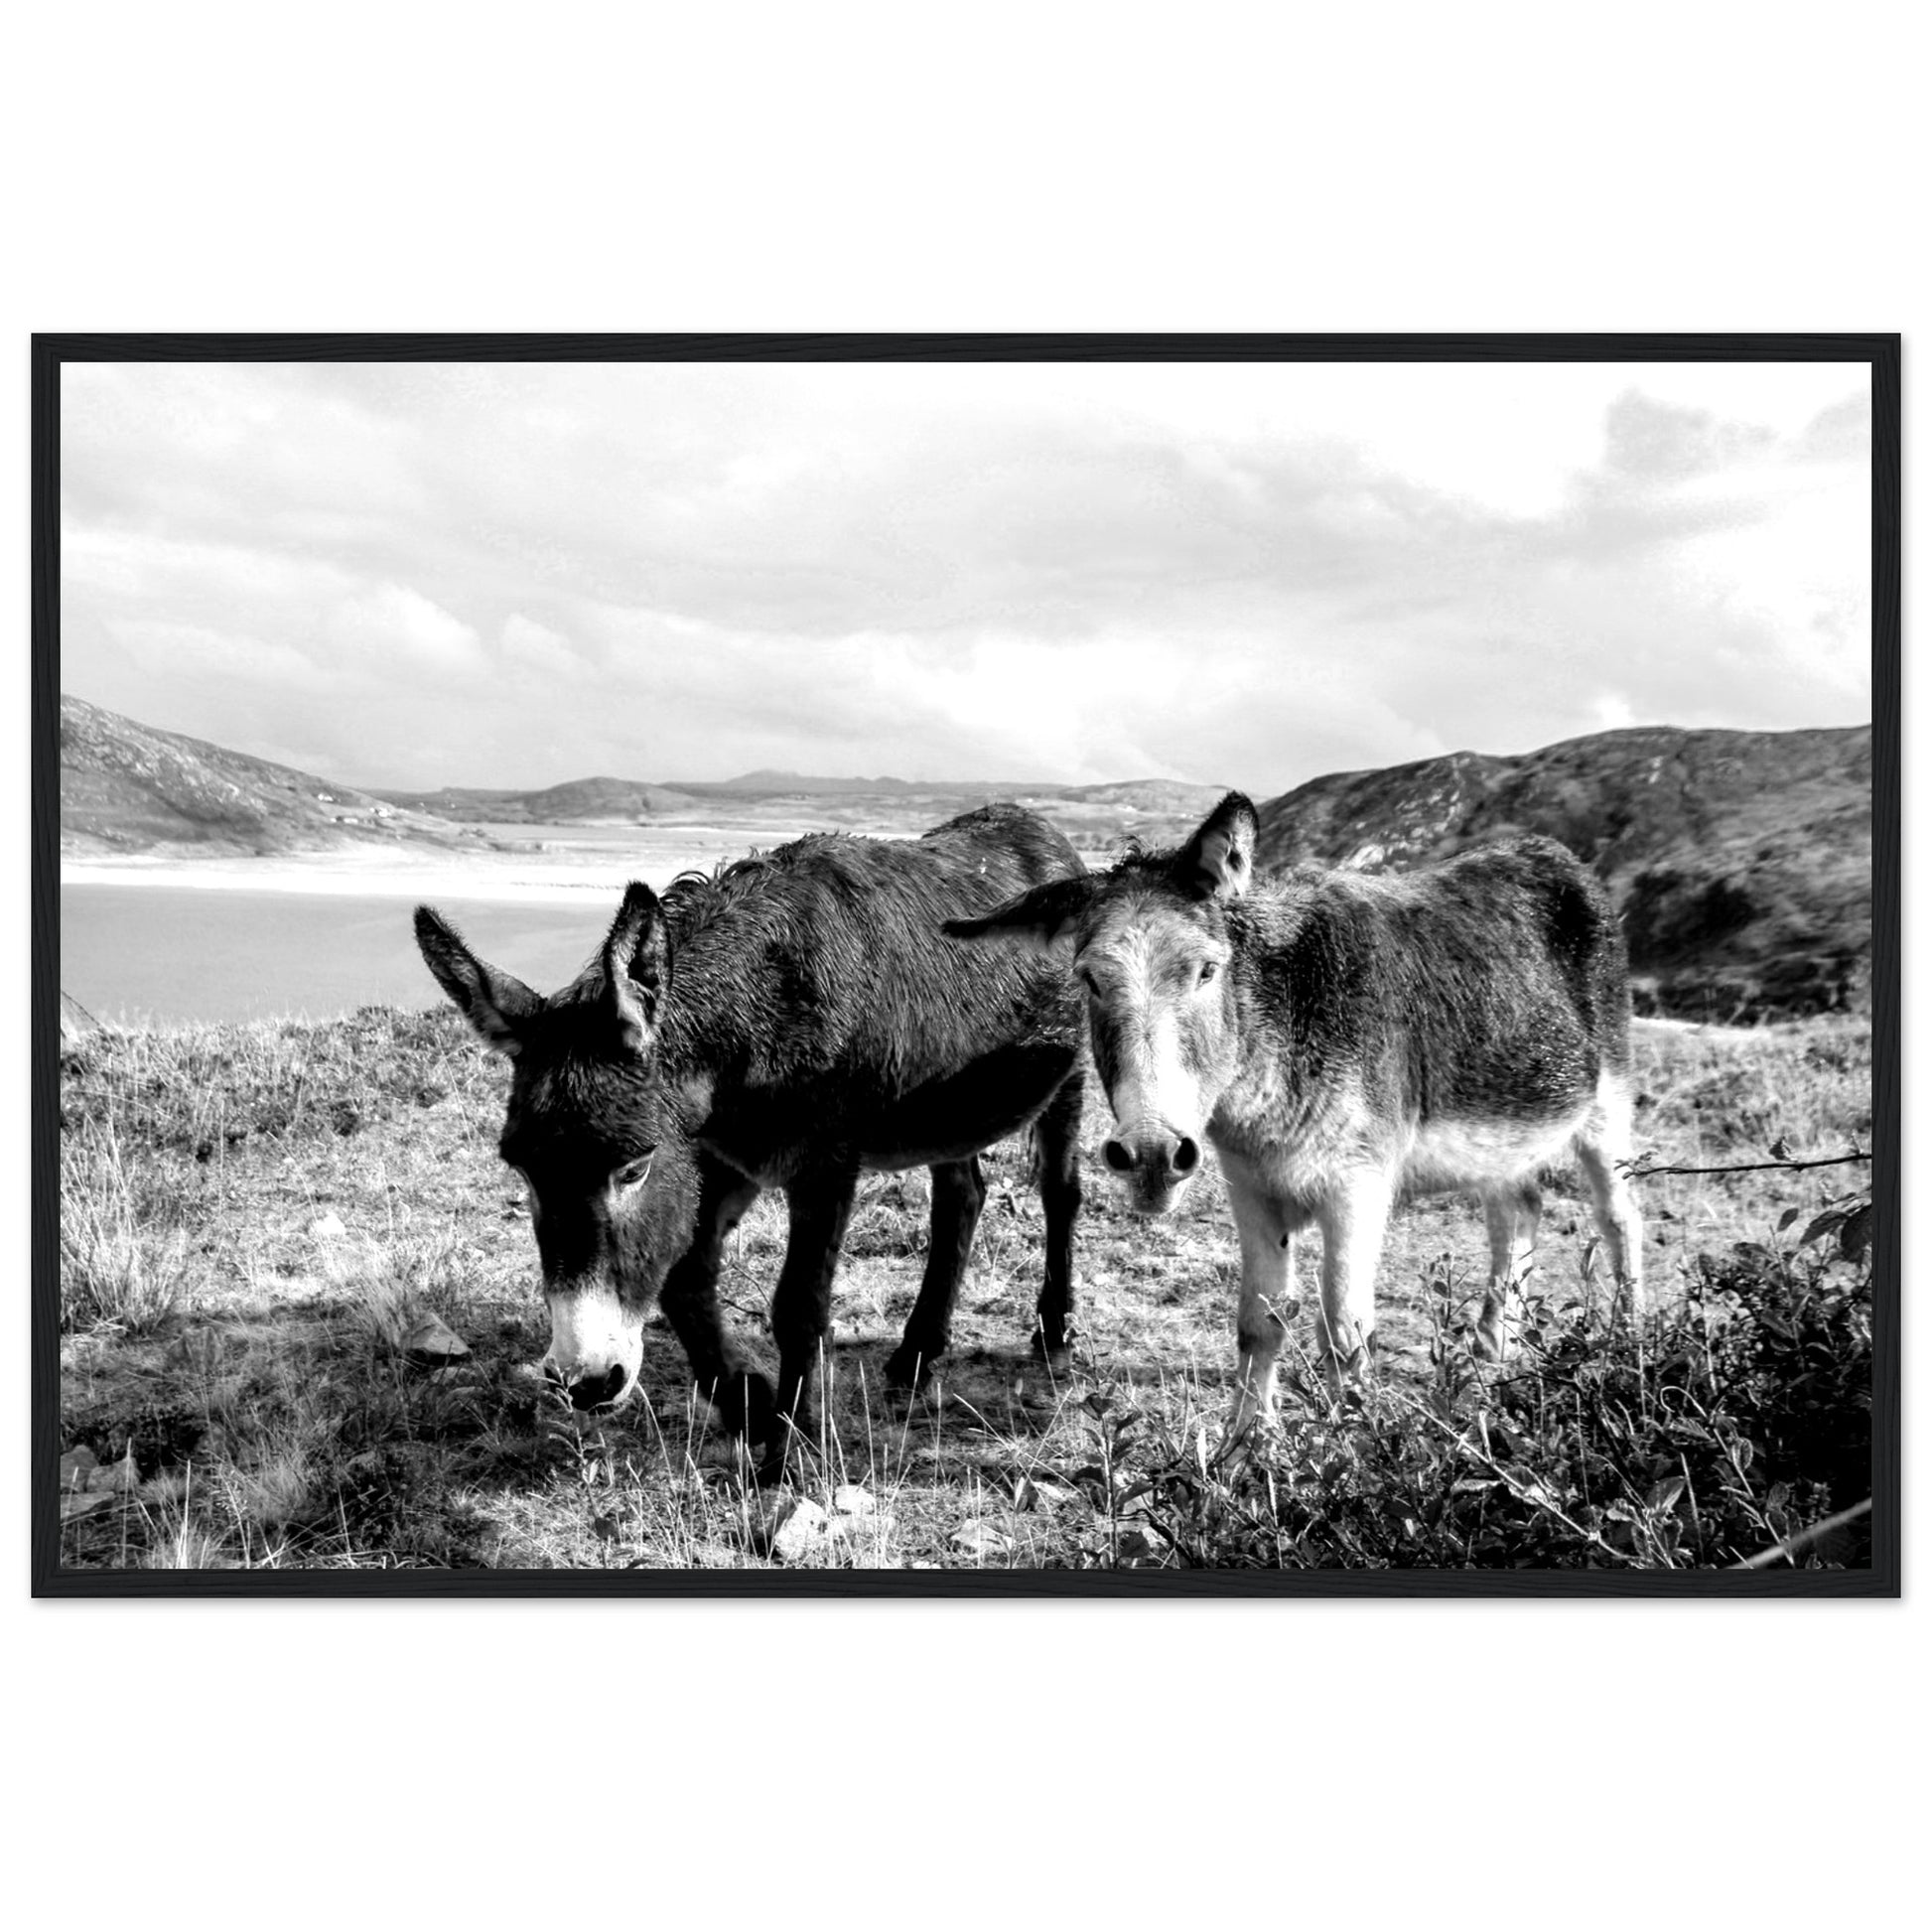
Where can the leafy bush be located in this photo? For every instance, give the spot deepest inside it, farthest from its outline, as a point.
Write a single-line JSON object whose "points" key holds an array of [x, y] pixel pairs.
{"points": [[1701, 1436]]}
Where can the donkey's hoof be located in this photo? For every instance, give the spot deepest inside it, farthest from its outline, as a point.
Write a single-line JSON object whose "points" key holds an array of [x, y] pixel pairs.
{"points": [[1244, 1438], [792, 1448], [1493, 1336], [1056, 1358], [911, 1368]]}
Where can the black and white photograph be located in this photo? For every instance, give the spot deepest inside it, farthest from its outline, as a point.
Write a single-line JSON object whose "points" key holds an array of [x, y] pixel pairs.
{"points": [[788, 964]]}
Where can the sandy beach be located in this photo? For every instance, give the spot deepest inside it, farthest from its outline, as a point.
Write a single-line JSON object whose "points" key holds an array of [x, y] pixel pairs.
{"points": [[544, 865], [519, 877]]}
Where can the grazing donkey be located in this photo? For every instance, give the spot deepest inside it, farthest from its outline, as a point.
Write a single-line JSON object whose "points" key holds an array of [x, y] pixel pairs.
{"points": [[1347, 1041], [789, 1022]]}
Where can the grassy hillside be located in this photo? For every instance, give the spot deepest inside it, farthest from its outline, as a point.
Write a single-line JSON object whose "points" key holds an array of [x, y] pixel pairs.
{"points": [[257, 1220], [1741, 861], [127, 789]]}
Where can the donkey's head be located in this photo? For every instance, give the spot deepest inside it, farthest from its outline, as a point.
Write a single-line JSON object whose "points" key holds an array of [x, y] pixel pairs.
{"points": [[1148, 942], [596, 1132]]}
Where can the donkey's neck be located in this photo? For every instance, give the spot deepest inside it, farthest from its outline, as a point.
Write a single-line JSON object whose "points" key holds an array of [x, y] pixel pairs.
{"points": [[723, 983], [1282, 961], [705, 1032]]}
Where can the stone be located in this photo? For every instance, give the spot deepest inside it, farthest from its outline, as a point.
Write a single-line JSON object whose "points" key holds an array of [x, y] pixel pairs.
{"points": [[432, 1343], [328, 1228], [853, 1499], [82, 1474], [805, 1530], [982, 1540], [1029, 1492]]}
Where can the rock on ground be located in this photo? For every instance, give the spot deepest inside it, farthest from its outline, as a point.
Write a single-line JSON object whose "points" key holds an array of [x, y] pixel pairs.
{"points": [[804, 1530], [432, 1343]]}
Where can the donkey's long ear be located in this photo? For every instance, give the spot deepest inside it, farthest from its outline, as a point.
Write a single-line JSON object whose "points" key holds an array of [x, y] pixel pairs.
{"points": [[494, 1003], [638, 966], [1044, 918], [1218, 862]]}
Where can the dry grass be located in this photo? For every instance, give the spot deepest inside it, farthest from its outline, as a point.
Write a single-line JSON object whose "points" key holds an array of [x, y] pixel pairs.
{"points": [[253, 1218]]}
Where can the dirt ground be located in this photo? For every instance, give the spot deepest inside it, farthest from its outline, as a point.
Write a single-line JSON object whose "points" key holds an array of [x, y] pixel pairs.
{"points": [[257, 1219]]}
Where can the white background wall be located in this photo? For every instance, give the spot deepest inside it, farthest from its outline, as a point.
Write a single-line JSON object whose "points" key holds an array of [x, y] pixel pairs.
{"points": [[884, 167]]}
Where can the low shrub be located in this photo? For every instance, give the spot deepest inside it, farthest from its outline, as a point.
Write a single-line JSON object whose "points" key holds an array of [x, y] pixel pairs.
{"points": [[1705, 1434]]}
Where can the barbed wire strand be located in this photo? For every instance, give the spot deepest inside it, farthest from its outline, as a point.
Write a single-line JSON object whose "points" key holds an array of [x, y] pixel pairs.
{"points": [[1799, 1539]]}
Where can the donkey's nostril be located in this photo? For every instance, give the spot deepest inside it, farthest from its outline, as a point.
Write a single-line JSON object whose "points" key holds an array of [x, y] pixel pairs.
{"points": [[1186, 1157], [1117, 1157], [594, 1391]]}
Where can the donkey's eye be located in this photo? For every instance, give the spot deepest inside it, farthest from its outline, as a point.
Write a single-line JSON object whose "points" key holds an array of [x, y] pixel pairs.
{"points": [[634, 1172], [1207, 971]]}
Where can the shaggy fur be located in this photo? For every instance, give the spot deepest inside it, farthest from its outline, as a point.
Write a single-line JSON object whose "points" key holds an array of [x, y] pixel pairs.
{"points": [[791, 1022], [1345, 1041]]}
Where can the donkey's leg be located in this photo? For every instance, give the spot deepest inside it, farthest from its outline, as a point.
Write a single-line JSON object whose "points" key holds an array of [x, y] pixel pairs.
{"points": [[1267, 1232], [1617, 1220], [689, 1299], [801, 1305], [1514, 1211], [1354, 1219], [1056, 1149], [958, 1194]]}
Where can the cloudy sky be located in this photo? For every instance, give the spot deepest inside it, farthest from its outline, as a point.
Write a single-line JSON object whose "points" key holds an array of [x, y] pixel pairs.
{"points": [[1240, 574]]}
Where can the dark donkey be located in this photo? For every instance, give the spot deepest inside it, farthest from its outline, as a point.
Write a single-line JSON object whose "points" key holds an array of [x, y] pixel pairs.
{"points": [[792, 1022], [1345, 1041]]}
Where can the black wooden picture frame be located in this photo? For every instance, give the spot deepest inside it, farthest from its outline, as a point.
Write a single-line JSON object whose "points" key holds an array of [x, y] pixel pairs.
{"points": [[1879, 353]]}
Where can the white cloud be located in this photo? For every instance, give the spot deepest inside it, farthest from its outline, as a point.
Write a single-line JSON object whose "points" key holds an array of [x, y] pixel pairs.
{"points": [[534, 654], [399, 629], [1233, 572], [196, 655]]}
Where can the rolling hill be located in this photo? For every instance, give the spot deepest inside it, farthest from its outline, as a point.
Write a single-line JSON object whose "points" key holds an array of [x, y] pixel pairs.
{"points": [[1741, 861], [127, 789], [579, 802]]}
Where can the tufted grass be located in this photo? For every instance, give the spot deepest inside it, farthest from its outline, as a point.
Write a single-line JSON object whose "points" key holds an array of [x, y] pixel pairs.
{"points": [[255, 1218]]}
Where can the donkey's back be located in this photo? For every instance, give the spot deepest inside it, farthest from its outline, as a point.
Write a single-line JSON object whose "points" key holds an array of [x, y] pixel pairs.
{"points": [[1487, 993]]}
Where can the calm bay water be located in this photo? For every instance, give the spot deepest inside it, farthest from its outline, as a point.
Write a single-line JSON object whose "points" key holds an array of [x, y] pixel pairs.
{"points": [[148, 955]]}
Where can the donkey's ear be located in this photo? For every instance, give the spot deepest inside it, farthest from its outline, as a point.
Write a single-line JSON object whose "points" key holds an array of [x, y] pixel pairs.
{"points": [[1218, 862], [638, 966], [494, 1003], [1044, 918]]}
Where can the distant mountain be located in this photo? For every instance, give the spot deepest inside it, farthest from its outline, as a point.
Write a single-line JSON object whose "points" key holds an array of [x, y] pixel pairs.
{"points": [[128, 788], [793, 785], [1741, 861], [586, 802], [633, 800]]}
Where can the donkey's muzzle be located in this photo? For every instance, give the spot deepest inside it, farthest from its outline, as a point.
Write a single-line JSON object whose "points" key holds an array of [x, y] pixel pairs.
{"points": [[1154, 1162], [1154, 1155], [596, 1345]]}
